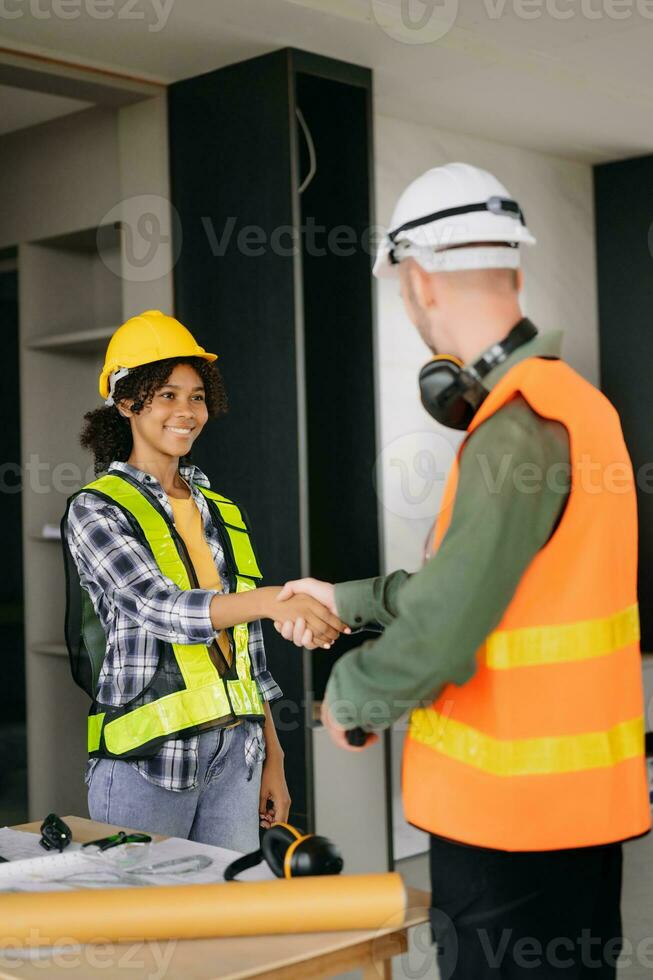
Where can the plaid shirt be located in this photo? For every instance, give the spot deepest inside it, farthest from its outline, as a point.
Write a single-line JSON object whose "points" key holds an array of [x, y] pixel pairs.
{"points": [[141, 611]]}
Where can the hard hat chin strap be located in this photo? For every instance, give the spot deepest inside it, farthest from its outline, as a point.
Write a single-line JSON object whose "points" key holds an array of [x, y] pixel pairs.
{"points": [[114, 378]]}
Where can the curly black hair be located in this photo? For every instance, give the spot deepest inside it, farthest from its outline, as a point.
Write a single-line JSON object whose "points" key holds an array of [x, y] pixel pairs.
{"points": [[107, 433]]}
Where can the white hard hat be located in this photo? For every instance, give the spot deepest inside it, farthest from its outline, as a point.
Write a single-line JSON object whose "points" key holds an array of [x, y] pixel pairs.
{"points": [[449, 207]]}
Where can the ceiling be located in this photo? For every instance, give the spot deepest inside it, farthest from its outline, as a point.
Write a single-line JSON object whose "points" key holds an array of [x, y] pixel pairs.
{"points": [[570, 77]]}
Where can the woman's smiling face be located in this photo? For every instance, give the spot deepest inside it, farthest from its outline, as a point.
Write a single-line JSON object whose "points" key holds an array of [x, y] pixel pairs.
{"points": [[173, 419]]}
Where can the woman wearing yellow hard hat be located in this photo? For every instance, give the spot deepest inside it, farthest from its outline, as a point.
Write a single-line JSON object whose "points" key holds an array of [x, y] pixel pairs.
{"points": [[163, 609]]}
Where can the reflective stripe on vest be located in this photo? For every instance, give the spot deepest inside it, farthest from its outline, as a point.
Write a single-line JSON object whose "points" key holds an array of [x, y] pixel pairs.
{"points": [[535, 645], [526, 756], [543, 747], [206, 696]]}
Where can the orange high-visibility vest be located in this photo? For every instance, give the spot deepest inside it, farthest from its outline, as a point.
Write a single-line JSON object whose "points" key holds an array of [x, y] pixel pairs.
{"points": [[543, 748]]}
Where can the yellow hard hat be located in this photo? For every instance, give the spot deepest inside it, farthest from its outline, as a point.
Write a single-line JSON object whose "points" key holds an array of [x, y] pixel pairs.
{"points": [[150, 336]]}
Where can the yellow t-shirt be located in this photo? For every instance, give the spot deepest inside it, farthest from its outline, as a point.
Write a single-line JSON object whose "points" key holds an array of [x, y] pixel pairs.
{"points": [[188, 522]]}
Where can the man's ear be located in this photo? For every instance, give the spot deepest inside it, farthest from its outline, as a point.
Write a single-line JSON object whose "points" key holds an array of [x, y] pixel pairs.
{"points": [[421, 286]]}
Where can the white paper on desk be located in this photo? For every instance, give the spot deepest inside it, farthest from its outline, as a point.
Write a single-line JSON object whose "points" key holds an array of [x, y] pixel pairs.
{"points": [[169, 862], [15, 845]]}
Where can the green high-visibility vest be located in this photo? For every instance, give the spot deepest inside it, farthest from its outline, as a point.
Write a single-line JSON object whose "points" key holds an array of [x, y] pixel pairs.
{"points": [[191, 693]]}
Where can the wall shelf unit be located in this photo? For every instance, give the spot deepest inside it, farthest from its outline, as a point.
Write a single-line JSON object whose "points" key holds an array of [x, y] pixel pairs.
{"points": [[73, 293], [80, 289], [91, 341], [70, 301]]}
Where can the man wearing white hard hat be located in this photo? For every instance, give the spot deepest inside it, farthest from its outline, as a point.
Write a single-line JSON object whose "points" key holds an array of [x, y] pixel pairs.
{"points": [[517, 643]]}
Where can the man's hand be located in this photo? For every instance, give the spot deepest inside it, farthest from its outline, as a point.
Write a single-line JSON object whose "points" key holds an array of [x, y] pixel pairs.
{"points": [[297, 630], [338, 734], [324, 592]]}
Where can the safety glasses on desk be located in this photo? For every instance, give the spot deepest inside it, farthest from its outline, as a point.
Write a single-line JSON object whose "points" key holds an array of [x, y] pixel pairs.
{"points": [[104, 843]]}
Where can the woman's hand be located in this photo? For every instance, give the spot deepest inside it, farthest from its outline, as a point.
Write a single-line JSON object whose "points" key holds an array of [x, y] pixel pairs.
{"points": [[308, 617], [302, 611], [298, 631], [274, 802]]}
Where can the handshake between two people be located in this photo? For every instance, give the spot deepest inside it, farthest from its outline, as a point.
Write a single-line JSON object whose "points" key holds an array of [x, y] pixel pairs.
{"points": [[313, 600], [301, 632], [303, 612]]}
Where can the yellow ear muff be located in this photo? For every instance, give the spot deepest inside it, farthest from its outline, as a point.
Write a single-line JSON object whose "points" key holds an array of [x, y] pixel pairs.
{"points": [[293, 830], [451, 358]]}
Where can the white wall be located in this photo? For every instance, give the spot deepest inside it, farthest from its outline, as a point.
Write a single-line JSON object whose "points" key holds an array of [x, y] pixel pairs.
{"points": [[560, 293]]}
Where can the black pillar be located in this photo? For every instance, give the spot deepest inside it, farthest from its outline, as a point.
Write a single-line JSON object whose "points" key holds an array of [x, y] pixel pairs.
{"points": [[624, 239]]}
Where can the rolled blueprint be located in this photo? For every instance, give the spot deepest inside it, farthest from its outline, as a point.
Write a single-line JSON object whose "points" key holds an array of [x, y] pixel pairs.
{"points": [[314, 904]]}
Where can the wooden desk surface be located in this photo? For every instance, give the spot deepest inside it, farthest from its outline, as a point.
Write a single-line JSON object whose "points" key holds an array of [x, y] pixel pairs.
{"points": [[306, 956]]}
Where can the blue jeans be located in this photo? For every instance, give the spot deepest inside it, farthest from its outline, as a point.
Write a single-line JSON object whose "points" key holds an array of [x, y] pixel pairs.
{"points": [[221, 810]]}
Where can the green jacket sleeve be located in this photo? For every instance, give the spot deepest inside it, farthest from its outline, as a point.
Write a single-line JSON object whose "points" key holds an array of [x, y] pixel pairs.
{"points": [[370, 600], [505, 510]]}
